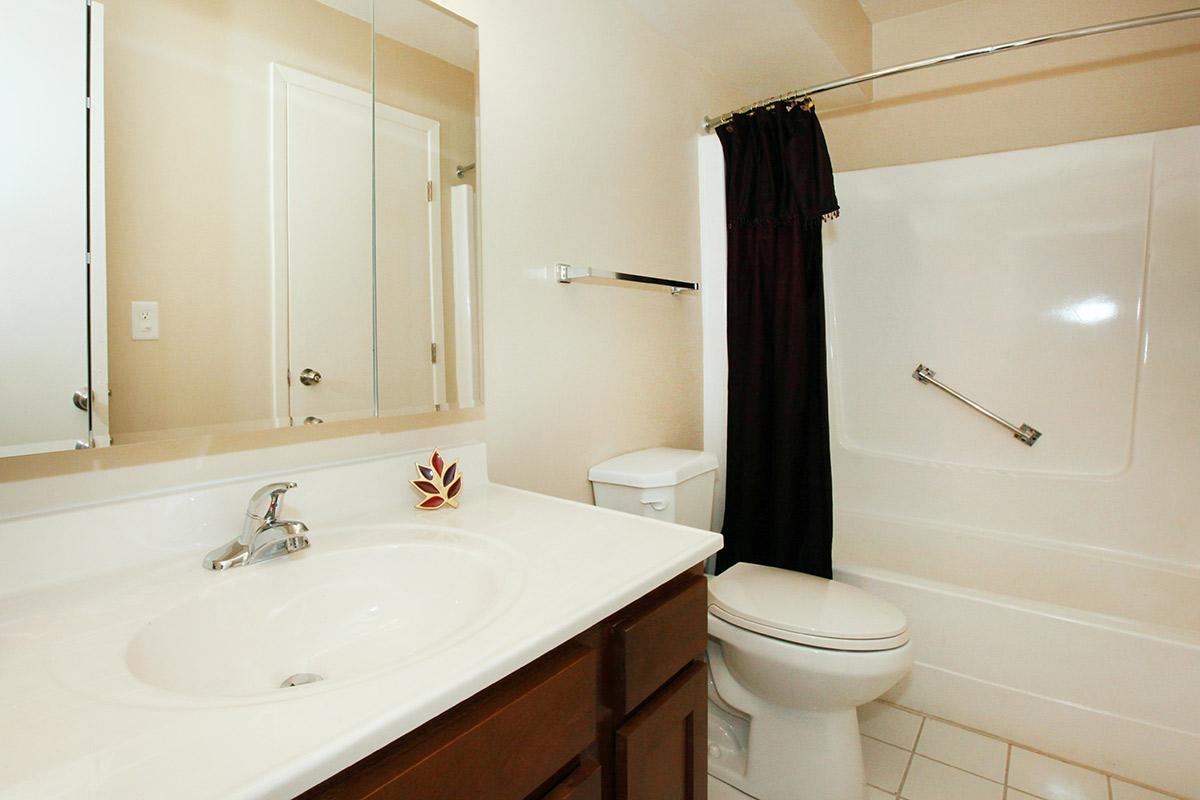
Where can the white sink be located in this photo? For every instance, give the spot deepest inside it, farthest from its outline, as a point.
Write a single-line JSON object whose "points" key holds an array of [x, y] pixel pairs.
{"points": [[357, 603]]}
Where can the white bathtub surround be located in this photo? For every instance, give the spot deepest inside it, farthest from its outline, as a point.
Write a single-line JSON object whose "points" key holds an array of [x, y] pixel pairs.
{"points": [[1051, 589], [949, 762], [82, 714], [1055, 285]]}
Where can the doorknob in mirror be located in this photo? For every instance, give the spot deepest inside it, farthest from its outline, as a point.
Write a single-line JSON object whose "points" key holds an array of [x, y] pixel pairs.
{"points": [[310, 377]]}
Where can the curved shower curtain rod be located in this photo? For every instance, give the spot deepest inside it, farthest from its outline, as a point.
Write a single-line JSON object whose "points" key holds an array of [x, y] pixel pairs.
{"points": [[1174, 16]]}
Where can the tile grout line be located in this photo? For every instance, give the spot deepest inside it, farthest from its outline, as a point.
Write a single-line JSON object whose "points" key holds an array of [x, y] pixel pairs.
{"points": [[1007, 764], [906, 748], [911, 755], [1108, 783], [928, 757]]}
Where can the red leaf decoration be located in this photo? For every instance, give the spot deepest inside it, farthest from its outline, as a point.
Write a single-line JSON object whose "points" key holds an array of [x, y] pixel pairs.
{"points": [[438, 483]]}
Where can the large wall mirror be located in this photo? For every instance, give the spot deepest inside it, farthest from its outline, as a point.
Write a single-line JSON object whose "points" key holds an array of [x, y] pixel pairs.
{"points": [[230, 215]]}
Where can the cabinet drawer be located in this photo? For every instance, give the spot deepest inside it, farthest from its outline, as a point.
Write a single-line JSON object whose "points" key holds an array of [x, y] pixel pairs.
{"points": [[662, 751], [583, 783], [657, 639], [502, 744]]}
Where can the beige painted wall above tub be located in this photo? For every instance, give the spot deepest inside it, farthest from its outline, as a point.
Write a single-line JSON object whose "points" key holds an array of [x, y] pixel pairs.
{"points": [[1107, 85]]}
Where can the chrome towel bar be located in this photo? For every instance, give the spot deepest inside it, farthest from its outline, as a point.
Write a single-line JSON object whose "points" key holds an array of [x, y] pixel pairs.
{"points": [[568, 273], [1025, 433]]}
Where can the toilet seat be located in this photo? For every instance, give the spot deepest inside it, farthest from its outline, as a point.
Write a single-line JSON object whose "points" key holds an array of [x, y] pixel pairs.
{"points": [[805, 609]]}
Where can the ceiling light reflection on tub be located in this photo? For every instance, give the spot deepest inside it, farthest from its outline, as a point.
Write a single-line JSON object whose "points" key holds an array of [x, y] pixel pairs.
{"points": [[1091, 311]]}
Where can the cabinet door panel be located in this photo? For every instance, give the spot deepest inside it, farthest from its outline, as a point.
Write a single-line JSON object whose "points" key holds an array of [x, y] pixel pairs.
{"points": [[661, 751], [652, 644]]}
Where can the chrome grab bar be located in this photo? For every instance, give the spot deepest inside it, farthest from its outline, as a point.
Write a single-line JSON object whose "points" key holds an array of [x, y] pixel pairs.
{"points": [[1025, 433], [568, 273]]}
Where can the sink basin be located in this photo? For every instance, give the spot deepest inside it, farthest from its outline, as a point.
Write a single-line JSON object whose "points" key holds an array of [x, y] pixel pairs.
{"points": [[357, 603]]}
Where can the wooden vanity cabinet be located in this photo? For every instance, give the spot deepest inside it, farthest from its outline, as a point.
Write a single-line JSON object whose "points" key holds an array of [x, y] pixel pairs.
{"points": [[617, 713]]}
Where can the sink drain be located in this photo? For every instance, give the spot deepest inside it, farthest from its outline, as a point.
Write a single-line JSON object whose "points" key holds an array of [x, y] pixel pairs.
{"points": [[301, 678]]}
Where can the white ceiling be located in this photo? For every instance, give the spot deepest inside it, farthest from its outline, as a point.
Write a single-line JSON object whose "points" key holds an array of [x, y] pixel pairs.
{"points": [[760, 48], [418, 24], [880, 10]]}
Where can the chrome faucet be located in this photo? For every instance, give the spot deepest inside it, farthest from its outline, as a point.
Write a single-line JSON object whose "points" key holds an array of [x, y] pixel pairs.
{"points": [[264, 535]]}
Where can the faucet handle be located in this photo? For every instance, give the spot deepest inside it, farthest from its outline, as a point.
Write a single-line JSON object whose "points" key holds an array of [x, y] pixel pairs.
{"points": [[264, 504]]}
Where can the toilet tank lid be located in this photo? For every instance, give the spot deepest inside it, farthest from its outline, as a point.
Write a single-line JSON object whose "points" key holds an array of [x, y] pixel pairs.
{"points": [[658, 466], [804, 608]]}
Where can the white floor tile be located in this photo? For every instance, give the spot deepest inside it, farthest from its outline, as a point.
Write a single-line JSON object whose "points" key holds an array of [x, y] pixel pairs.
{"points": [[930, 780], [879, 794], [1052, 779], [1013, 794], [885, 764], [1127, 791], [890, 724], [964, 749]]}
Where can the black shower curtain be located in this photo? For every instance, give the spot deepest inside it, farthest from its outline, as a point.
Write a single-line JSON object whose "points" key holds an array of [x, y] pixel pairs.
{"points": [[778, 189]]}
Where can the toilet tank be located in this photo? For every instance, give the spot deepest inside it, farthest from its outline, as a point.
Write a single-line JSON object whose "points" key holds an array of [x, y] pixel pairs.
{"points": [[661, 483]]}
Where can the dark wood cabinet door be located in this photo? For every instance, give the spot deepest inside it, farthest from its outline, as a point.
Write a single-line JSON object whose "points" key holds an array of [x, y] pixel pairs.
{"points": [[583, 784], [501, 745], [654, 639], [661, 750]]}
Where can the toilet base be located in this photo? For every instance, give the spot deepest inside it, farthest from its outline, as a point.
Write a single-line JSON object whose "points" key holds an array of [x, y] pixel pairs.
{"points": [[793, 755]]}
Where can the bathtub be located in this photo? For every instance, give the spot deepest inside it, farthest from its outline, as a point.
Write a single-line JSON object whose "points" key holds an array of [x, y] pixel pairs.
{"points": [[1073, 651]]}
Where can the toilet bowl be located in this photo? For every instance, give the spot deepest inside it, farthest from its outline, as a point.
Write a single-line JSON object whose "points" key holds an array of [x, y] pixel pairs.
{"points": [[791, 657]]}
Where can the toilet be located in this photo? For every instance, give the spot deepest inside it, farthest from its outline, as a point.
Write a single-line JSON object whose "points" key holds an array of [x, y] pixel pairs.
{"points": [[791, 656]]}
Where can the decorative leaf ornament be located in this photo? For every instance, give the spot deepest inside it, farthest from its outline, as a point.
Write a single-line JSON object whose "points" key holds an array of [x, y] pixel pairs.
{"points": [[438, 483]]}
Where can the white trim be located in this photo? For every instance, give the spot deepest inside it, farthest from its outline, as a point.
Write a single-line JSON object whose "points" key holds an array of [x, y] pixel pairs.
{"points": [[277, 146], [713, 258], [436, 297], [98, 270], [465, 258]]}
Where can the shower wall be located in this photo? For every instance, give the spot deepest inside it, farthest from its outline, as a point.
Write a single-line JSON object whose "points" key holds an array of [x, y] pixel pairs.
{"points": [[1057, 286]]}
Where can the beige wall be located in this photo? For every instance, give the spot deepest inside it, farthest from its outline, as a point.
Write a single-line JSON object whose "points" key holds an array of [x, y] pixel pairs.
{"points": [[588, 156], [1107, 85], [188, 178]]}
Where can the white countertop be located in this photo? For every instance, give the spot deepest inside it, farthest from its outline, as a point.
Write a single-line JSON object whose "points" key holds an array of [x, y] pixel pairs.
{"points": [[103, 571]]}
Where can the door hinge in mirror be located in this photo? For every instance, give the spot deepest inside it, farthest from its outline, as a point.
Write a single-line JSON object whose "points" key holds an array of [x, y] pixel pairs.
{"points": [[433, 352], [429, 191]]}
